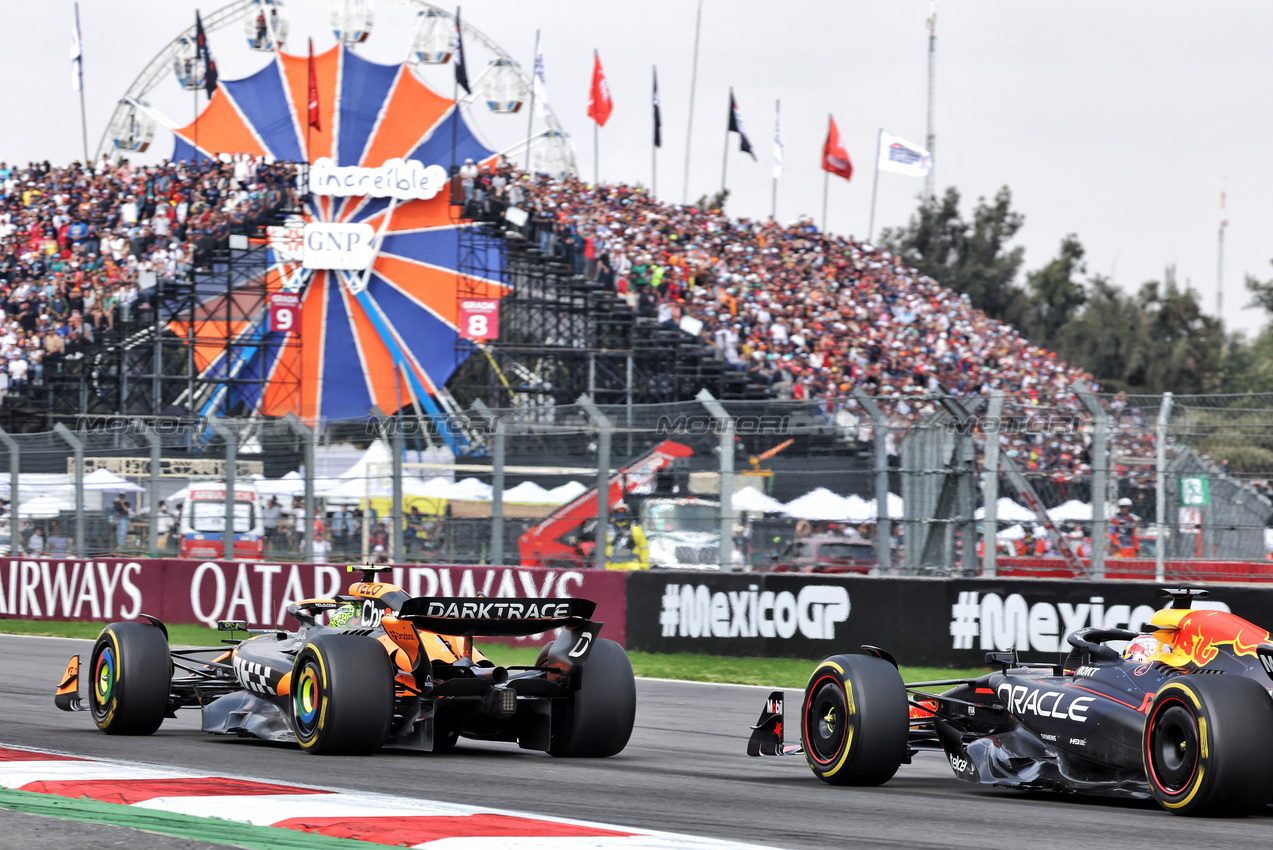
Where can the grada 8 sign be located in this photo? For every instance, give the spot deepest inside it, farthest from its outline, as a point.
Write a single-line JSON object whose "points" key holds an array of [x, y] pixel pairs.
{"points": [[479, 318]]}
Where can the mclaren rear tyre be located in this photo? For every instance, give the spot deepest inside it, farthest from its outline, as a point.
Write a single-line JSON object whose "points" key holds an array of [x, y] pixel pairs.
{"points": [[1208, 746], [854, 720], [131, 674], [597, 721], [342, 695]]}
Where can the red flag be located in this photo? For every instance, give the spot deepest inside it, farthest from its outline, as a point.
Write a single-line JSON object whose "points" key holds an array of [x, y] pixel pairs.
{"points": [[599, 103], [313, 90], [834, 157]]}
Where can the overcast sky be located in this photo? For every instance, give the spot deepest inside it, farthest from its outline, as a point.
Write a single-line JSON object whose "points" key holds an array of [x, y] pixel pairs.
{"points": [[1119, 122]]}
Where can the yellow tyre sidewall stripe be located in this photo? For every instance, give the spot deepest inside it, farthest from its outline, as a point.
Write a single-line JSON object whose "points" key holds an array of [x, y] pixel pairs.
{"points": [[1181, 688], [849, 709]]}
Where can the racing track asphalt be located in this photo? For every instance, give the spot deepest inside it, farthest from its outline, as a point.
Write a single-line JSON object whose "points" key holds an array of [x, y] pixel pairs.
{"points": [[684, 771]]}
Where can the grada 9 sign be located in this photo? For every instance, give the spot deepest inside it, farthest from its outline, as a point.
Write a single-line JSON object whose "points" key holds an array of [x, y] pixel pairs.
{"points": [[479, 318]]}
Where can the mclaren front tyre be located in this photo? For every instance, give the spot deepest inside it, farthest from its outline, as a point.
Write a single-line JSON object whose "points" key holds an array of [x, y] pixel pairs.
{"points": [[130, 676], [1208, 746], [854, 720]]}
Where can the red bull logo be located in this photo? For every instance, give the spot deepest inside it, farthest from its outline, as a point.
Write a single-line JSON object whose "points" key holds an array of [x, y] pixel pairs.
{"points": [[1198, 636]]}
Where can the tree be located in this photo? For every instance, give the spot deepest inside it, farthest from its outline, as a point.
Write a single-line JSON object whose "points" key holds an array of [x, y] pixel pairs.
{"points": [[970, 257], [1248, 366], [1186, 347], [1106, 337], [1055, 293]]}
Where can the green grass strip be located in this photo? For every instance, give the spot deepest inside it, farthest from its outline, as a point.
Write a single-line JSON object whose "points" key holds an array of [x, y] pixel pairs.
{"points": [[210, 830], [690, 667]]}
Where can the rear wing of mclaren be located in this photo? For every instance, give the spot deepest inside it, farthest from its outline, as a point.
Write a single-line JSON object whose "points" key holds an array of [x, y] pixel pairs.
{"points": [[501, 617]]}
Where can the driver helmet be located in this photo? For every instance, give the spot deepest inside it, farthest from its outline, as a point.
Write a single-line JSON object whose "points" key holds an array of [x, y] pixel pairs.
{"points": [[1124, 502], [1141, 649], [341, 618], [621, 512]]}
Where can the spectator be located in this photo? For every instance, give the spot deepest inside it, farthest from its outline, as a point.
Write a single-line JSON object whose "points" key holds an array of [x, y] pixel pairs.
{"points": [[120, 514], [270, 518], [59, 545]]}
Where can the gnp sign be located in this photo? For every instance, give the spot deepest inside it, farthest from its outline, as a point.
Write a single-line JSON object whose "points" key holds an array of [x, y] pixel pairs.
{"points": [[338, 246]]}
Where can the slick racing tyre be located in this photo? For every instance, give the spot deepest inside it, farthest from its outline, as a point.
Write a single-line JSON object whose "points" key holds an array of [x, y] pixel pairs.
{"points": [[854, 720], [342, 695], [1208, 746], [597, 721], [130, 677]]}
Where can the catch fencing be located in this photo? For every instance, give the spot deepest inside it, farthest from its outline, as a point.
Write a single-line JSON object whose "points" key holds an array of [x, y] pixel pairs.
{"points": [[1060, 483]]}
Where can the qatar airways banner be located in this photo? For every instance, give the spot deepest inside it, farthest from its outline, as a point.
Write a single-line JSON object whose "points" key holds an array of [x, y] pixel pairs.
{"points": [[187, 591]]}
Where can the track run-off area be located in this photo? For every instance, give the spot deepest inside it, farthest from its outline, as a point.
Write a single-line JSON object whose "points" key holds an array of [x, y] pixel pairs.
{"points": [[683, 773]]}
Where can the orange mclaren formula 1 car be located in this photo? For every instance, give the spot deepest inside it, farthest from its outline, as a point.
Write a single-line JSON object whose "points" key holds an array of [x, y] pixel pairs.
{"points": [[1182, 715], [391, 670]]}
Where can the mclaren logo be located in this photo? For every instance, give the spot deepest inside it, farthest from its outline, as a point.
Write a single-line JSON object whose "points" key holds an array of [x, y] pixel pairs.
{"points": [[1025, 700]]}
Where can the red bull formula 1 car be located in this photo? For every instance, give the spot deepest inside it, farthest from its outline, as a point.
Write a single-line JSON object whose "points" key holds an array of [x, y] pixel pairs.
{"points": [[390, 670], [1182, 715]]}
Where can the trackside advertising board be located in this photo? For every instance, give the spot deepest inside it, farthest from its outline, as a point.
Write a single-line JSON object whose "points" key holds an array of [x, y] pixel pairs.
{"points": [[930, 622], [189, 591]]}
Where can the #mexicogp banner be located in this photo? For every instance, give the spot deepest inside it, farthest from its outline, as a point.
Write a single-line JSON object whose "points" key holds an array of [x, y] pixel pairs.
{"points": [[921, 621], [185, 591]]}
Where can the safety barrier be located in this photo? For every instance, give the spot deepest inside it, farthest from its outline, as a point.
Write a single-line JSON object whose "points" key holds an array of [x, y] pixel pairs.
{"points": [[186, 591], [921, 621]]}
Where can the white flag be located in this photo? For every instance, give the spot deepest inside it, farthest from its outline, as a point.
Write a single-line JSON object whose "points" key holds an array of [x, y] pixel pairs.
{"points": [[77, 53], [903, 157], [777, 141], [539, 87]]}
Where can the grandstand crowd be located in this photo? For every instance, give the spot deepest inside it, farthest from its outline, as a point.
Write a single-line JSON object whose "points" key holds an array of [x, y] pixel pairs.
{"points": [[82, 247], [810, 314]]}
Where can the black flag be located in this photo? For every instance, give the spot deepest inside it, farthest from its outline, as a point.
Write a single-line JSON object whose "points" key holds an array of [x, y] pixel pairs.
{"points": [[461, 70], [204, 56], [658, 116], [736, 126]]}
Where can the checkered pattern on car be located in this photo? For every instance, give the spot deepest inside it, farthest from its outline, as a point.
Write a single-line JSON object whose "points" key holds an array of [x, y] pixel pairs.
{"points": [[254, 676]]}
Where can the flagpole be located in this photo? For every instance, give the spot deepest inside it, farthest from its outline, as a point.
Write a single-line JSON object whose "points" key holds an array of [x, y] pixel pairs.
{"points": [[596, 153], [773, 205], [654, 148], [826, 178], [455, 89], [875, 182], [826, 184], [83, 115], [689, 128], [724, 165], [534, 82]]}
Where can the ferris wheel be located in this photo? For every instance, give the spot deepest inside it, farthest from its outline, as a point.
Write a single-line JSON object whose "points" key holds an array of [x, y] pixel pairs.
{"points": [[502, 88]]}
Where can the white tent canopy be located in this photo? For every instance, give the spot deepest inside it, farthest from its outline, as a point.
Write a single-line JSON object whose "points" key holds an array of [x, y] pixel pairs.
{"points": [[103, 480], [1008, 511], [895, 506], [1071, 511], [567, 492], [45, 506], [820, 504], [751, 499], [529, 493], [34, 483]]}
